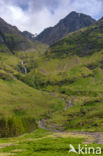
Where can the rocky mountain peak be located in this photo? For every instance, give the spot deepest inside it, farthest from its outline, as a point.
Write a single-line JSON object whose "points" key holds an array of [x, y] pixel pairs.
{"points": [[72, 22]]}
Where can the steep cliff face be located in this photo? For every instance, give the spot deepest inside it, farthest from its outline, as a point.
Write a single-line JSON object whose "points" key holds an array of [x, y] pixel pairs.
{"points": [[74, 21]]}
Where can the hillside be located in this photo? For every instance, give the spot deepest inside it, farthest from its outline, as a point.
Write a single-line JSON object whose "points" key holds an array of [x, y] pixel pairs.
{"points": [[81, 43], [73, 68], [11, 39], [51, 85], [74, 21], [21, 106], [58, 88]]}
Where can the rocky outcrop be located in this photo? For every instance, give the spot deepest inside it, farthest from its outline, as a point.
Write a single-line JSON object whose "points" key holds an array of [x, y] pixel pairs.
{"points": [[74, 21]]}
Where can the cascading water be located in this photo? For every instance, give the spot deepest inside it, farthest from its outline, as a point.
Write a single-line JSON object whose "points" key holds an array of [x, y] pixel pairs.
{"points": [[24, 67]]}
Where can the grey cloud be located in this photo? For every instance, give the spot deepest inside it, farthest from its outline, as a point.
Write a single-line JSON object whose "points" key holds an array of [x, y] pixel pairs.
{"points": [[35, 15], [35, 4]]}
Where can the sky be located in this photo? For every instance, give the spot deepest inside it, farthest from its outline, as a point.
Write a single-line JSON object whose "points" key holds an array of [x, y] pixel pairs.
{"points": [[36, 15]]}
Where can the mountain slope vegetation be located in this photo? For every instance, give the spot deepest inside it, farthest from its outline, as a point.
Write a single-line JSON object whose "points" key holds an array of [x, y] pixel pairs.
{"points": [[21, 106], [73, 67], [62, 87], [12, 39]]}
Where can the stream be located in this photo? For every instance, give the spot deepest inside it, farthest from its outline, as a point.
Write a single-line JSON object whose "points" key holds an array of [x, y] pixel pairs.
{"points": [[42, 123], [24, 67], [91, 137]]}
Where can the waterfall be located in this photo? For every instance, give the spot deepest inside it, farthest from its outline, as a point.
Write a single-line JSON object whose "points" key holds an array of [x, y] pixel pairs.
{"points": [[24, 67]]}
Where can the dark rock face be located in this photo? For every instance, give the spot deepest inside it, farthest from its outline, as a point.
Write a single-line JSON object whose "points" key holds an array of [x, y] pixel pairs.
{"points": [[74, 21], [28, 35], [11, 39], [7, 28]]}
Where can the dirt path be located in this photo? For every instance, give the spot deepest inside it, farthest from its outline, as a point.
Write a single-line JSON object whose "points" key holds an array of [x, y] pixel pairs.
{"points": [[91, 137], [42, 124]]}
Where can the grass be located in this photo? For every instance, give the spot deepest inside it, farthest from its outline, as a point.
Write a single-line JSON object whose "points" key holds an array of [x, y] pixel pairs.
{"points": [[70, 70], [73, 78], [63, 87], [21, 106], [22, 101], [73, 68], [82, 43], [41, 142]]}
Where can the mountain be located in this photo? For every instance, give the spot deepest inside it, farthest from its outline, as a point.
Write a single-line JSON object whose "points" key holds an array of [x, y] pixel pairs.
{"points": [[29, 35], [62, 88], [12, 39], [21, 104], [61, 91], [73, 69], [84, 42], [73, 22]]}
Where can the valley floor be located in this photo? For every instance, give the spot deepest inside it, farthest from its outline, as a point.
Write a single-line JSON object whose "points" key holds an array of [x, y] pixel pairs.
{"points": [[46, 143]]}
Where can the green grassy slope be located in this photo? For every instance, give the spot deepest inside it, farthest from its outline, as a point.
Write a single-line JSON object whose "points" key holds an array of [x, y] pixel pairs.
{"points": [[21, 106], [73, 68], [12, 39], [62, 86], [63, 89]]}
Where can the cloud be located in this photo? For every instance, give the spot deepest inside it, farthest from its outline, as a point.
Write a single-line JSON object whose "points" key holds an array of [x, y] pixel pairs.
{"points": [[35, 15]]}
